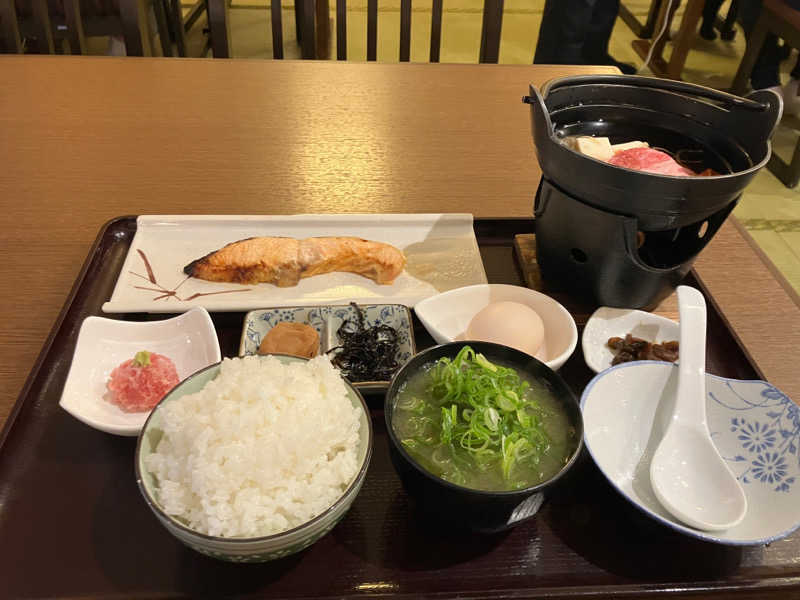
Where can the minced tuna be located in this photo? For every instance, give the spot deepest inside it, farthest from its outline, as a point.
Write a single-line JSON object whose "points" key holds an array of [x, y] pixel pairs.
{"points": [[139, 383]]}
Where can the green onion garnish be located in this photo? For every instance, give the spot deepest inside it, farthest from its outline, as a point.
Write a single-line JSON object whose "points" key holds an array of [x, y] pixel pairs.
{"points": [[486, 410]]}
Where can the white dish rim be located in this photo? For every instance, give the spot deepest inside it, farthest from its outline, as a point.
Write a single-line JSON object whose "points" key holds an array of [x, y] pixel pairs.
{"points": [[561, 358], [695, 533], [585, 341], [133, 430], [120, 302]]}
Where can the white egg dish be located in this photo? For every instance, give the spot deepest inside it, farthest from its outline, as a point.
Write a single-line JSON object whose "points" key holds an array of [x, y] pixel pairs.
{"points": [[447, 317]]}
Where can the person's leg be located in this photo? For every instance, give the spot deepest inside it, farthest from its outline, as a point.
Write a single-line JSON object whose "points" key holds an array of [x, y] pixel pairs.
{"points": [[791, 91], [795, 72], [765, 73], [599, 31], [595, 48], [766, 70], [795, 4], [748, 14], [710, 11], [563, 31]]}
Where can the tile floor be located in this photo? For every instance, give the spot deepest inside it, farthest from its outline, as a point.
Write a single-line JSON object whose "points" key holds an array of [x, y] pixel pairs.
{"points": [[769, 211]]}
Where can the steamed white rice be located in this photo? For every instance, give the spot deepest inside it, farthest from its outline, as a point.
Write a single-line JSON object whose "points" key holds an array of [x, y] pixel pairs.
{"points": [[263, 448]]}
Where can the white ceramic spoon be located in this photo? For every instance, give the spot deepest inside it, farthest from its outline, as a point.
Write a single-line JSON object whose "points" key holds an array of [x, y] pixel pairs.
{"points": [[689, 477]]}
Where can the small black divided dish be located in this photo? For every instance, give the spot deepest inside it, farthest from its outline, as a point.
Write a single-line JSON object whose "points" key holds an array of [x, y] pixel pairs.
{"points": [[457, 506]]}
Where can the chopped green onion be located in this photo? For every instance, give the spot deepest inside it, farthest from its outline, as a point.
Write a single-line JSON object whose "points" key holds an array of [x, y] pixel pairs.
{"points": [[487, 410]]}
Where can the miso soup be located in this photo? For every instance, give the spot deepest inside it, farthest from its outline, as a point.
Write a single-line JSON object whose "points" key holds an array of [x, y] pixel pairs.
{"points": [[483, 425]]}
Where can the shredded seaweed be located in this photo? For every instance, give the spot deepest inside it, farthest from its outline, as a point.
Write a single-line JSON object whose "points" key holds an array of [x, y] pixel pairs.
{"points": [[366, 353]]}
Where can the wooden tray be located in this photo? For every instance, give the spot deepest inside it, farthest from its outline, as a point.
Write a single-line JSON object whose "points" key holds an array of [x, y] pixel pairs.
{"points": [[72, 522]]}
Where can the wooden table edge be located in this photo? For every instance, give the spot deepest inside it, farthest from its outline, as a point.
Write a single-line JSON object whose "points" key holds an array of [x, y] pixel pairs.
{"points": [[776, 273], [762, 310], [568, 70]]}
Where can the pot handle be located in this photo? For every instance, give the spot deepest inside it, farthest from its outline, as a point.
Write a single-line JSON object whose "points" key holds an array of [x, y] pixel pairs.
{"points": [[772, 116], [660, 84], [540, 117]]}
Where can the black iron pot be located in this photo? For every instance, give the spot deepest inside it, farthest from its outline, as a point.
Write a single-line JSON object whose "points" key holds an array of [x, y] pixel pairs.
{"points": [[714, 129], [624, 237]]}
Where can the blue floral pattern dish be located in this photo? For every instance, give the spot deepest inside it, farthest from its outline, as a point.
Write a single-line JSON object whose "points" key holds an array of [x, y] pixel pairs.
{"points": [[327, 320], [765, 424], [754, 426]]}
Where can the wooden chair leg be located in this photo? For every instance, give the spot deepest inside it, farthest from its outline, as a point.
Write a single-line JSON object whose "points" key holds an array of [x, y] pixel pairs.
{"points": [[405, 30], [163, 28], [788, 173], [9, 28], [176, 14], [728, 30], [655, 49], [72, 16], [44, 28], [135, 27], [341, 29], [195, 13], [641, 30], [490, 31], [298, 19], [322, 30], [754, 43], [308, 49], [665, 12], [220, 28], [681, 46], [436, 30], [794, 169], [277, 29]]}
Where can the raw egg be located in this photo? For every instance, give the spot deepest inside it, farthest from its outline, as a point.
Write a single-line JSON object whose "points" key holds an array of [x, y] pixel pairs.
{"points": [[508, 323]]}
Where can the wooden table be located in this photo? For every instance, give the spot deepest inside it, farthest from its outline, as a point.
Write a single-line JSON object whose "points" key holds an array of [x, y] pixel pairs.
{"points": [[199, 136], [141, 136]]}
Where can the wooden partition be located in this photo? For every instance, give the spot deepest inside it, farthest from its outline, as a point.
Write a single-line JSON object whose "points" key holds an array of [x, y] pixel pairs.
{"points": [[312, 29]]}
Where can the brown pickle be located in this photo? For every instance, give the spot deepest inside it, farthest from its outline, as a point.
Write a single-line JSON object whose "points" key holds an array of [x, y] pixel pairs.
{"points": [[631, 348]]}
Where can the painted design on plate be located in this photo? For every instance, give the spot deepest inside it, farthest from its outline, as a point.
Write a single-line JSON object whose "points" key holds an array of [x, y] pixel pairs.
{"points": [[163, 293], [766, 433], [266, 555]]}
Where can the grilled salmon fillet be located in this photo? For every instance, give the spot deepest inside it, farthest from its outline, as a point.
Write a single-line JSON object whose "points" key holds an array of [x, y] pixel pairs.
{"points": [[285, 261]]}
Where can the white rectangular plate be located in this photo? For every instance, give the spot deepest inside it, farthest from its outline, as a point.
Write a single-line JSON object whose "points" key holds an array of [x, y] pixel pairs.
{"points": [[441, 250]]}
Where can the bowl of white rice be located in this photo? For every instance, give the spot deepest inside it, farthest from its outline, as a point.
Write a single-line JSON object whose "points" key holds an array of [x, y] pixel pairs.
{"points": [[255, 458]]}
